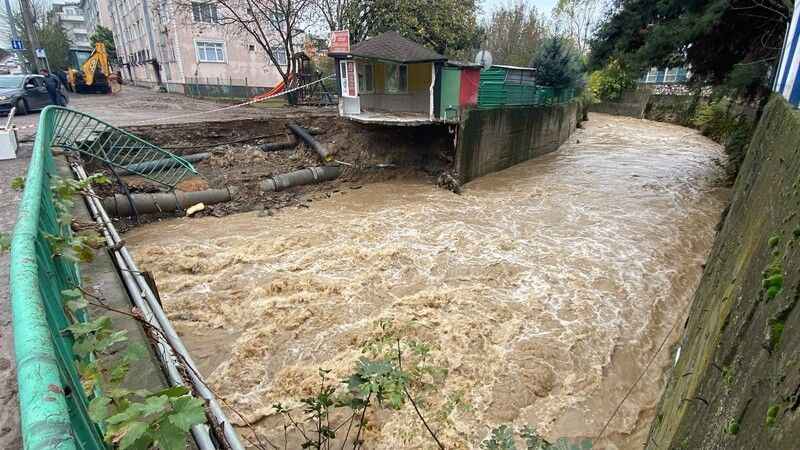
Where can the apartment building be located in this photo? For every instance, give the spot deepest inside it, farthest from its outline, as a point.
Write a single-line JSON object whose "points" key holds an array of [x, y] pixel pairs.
{"points": [[71, 16], [162, 42]]}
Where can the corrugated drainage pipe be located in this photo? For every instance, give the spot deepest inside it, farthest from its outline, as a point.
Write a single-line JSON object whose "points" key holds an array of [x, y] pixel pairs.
{"points": [[119, 206], [323, 152], [310, 175], [145, 167]]}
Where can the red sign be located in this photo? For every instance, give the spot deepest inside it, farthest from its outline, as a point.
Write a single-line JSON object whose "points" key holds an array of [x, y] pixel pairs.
{"points": [[340, 42], [351, 79]]}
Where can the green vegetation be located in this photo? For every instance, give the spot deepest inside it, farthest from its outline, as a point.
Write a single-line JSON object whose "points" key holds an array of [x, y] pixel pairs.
{"points": [[18, 183], [557, 64], [5, 242], [717, 121], [502, 438], [727, 375], [723, 42], [772, 276], [775, 334], [772, 415], [105, 36], [448, 26], [732, 427], [129, 419], [608, 83]]}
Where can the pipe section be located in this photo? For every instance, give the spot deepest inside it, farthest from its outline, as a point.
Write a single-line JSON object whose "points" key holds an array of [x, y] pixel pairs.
{"points": [[120, 206], [164, 352], [310, 175], [324, 154], [157, 164], [280, 145]]}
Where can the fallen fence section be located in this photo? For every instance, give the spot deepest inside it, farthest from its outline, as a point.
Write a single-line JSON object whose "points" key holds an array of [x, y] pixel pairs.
{"points": [[80, 132], [53, 405]]}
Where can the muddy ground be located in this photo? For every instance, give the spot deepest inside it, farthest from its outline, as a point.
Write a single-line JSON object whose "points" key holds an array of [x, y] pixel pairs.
{"points": [[365, 153]]}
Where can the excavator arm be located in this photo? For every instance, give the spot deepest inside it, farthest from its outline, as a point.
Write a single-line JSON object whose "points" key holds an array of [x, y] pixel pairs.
{"points": [[99, 57]]}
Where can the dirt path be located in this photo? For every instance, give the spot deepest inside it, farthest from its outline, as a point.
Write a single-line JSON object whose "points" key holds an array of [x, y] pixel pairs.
{"points": [[544, 289], [138, 106]]}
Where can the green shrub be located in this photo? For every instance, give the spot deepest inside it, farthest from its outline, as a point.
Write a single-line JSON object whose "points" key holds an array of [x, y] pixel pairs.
{"points": [[734, 131], [608, 83]]}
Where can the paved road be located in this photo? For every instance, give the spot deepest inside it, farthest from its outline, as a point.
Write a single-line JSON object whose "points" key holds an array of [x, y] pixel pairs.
{"points": [[129, 107]]}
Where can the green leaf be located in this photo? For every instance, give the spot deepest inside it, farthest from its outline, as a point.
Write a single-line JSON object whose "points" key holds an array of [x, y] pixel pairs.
{"points": [[133, 432], [72, 293], [18, 183], [155, 404], [76, 305], [169, 437], [175, 391], [187, 411], [5, 242], [135, 352], [98, 408], [92, 326]]}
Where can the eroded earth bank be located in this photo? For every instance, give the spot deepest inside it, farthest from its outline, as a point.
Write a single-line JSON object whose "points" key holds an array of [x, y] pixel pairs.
{"points": [[544, 289]]}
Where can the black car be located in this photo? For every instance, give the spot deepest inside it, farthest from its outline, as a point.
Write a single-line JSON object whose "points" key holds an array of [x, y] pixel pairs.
{"points": [[26, 92]]}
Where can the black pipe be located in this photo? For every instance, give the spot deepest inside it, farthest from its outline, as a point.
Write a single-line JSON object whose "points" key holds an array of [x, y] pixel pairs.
{"points": [[280, 145], [144, 167], [323, 152], [310, 175]]}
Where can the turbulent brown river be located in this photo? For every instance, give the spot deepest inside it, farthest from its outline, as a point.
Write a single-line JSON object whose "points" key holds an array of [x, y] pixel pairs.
{"points": [[544, 289]]}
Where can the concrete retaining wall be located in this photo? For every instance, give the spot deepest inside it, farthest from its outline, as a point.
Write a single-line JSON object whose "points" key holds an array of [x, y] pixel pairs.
{"points": [[494, 139], [736, 383], [632, 104]]}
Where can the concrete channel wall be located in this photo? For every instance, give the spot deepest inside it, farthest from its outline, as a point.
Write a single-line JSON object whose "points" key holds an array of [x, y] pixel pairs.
{"points": [[490, 140], [736, 383]]}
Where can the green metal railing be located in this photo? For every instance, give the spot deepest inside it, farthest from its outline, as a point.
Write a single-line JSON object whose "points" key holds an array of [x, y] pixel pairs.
{"points": [[77, 131], [52, 402]]}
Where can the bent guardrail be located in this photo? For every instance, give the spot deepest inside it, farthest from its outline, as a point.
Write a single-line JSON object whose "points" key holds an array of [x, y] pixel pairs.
{"points": [[52, 403], [77, 131]]}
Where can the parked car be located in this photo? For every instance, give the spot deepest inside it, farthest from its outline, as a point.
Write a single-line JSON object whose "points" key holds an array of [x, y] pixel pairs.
{"points": [[26, 92]]}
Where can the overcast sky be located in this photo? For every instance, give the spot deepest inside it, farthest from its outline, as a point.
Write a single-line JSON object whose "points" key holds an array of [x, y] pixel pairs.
{"points": [[487, 6]]}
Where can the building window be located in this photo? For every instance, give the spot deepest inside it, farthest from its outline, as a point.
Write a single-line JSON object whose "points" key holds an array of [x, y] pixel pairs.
{"points": [[204, 12], [671, 75], [280, 56], [210, 52], [366, 78], [396, 78], [652, 75]]}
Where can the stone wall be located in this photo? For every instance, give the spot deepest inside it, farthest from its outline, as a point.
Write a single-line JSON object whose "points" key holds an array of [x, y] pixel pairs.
{"points": [[494, 139], [736, 380]]}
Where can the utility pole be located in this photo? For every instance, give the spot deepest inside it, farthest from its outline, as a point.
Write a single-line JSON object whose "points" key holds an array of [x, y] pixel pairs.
{"points": [[14, 35], [30, 30]]}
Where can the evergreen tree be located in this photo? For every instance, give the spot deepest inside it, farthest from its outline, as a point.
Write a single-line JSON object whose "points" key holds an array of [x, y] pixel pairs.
{"points": [[557, 64]]}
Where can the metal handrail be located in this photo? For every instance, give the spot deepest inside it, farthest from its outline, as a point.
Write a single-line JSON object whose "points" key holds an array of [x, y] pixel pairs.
{"points": [[81, 132], [51, 399]]}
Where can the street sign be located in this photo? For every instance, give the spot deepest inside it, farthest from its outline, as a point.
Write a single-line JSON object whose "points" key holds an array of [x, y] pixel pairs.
{"points": [[40, 53], [16, 44], [340, 42]]}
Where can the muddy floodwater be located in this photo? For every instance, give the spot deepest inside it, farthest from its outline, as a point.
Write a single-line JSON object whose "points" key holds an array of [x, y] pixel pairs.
{"points": [[544, 289]]}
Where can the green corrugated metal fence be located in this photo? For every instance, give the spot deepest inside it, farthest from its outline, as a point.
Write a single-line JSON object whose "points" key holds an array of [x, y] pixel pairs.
{"points": [[53, 405], [495, 92], [52, 402]]}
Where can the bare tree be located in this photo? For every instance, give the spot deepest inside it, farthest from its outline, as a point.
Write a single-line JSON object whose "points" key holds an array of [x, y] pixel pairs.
{"points": [[579, 19], [514, 32], [276, 26], [357, 16]]}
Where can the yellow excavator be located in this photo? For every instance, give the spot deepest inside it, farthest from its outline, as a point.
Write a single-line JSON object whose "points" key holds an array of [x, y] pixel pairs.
{"points": [[94, 75]]}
